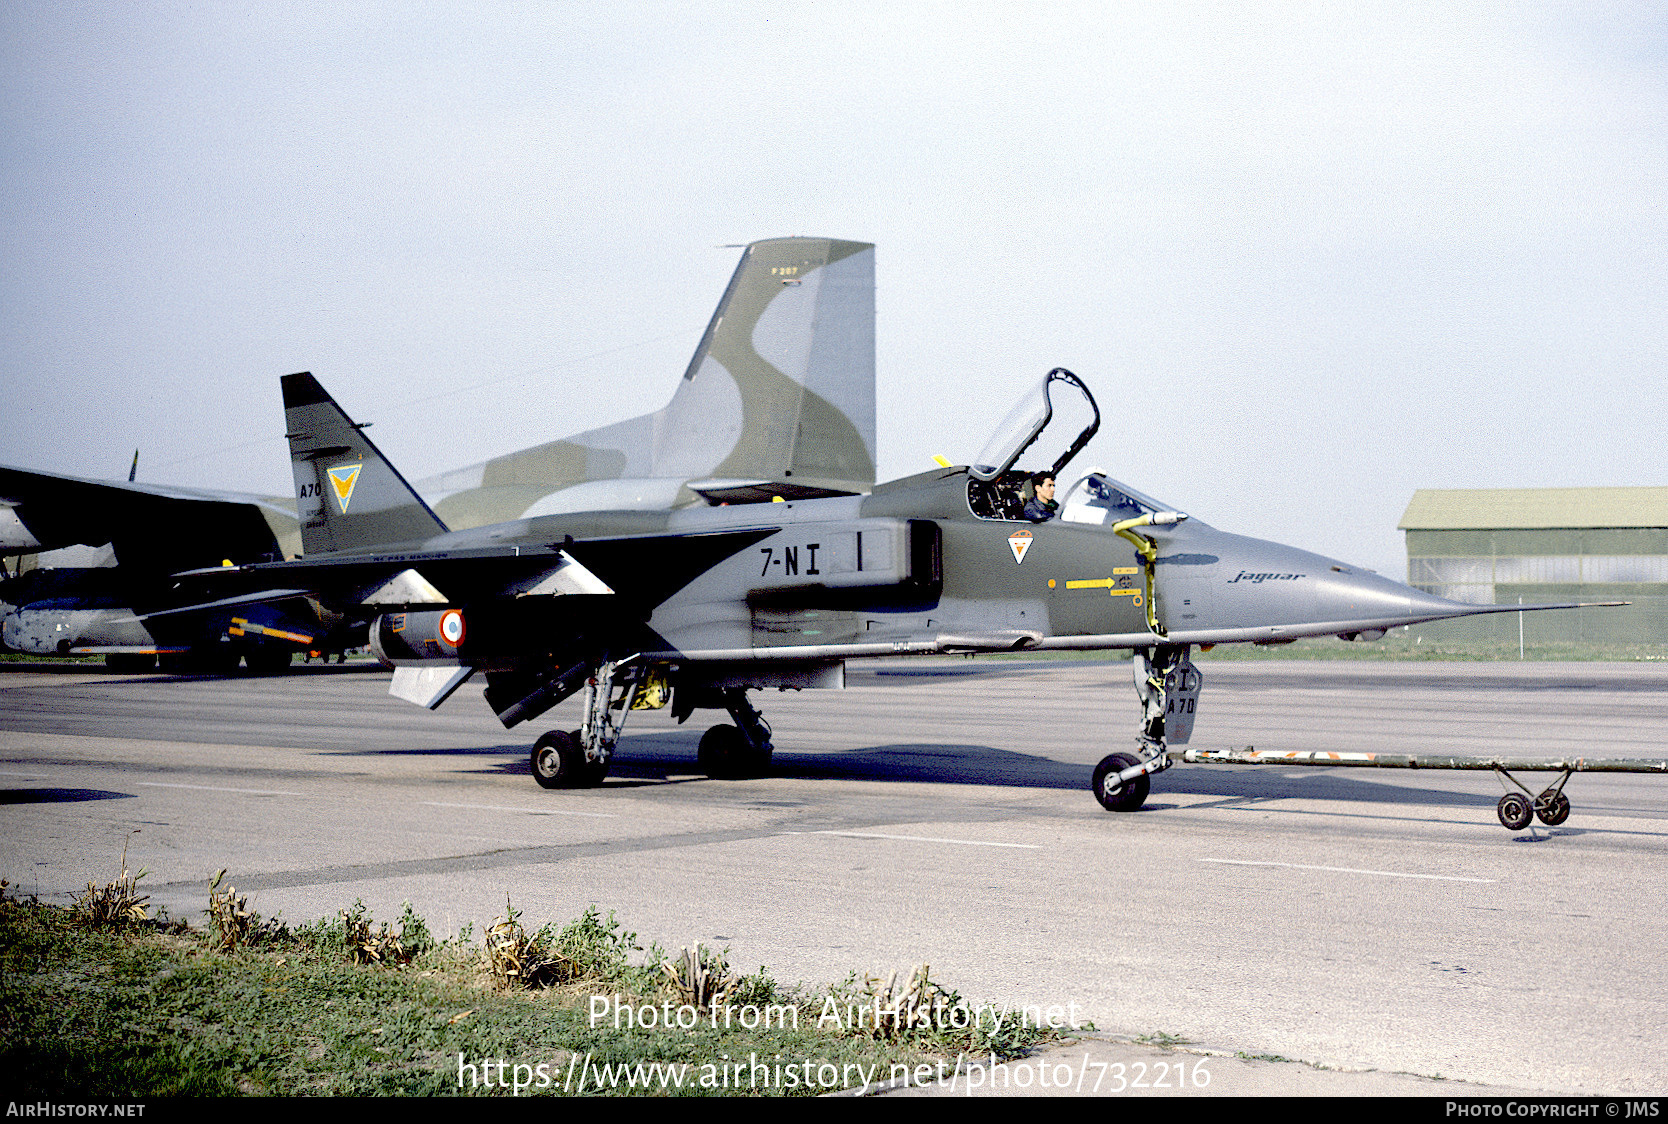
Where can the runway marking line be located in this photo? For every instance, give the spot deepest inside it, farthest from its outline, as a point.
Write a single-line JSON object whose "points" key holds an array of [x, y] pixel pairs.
{"points": [[212, 788], [918, 839], [1349, 870], [529, 811]]}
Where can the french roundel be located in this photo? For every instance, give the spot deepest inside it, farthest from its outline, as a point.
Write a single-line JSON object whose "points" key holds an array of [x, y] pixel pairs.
{"points": [[451, 627]]}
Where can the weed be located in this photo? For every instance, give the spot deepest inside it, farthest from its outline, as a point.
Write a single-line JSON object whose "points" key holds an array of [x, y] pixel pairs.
{"points": [[700, 977], [229, 915], [588, 948], [1161, 1039], [415, 937], [517, 960], [758, 989], [591, 948], [1262, 1057], [930, 1015], [885, 1010], [117, 903], [366, 945]]}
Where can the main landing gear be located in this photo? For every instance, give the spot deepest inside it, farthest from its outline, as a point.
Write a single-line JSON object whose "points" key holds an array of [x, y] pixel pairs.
{"points": [[743, 750], [1167, 684], [581, 758]]}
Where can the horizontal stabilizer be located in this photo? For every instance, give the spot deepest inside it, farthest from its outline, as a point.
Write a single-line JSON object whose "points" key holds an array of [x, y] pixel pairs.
{"points": [[153, 528]]}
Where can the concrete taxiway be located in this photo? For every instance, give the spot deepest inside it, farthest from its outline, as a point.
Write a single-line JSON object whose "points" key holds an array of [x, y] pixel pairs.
{"points": [[938, 812]]}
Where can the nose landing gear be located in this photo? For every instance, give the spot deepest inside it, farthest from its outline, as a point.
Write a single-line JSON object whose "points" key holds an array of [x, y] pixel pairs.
{"points": [[1168, 685]]}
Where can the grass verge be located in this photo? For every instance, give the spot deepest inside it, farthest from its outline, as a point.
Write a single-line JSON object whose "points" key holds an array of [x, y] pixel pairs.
{"points": [[97, 1006]]}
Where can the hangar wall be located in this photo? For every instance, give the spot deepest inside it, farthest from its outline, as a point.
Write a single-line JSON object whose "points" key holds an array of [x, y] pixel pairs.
{"points": [[1496, 546]]}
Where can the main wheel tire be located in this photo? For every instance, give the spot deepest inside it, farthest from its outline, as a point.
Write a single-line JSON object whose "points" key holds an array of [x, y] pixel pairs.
{"points": [[559, 762], [726, 754], [1554, 809], [1125, 797], [1514, 811]]}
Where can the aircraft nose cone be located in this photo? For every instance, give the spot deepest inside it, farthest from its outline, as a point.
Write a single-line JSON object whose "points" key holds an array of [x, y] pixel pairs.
{"points": [[1358, 602], [1347, 594], [1239, 588]]}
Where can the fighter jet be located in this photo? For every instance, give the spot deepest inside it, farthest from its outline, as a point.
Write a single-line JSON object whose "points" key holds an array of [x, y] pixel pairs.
{"points": [[140, 534], [753, 585], [777, 401]]}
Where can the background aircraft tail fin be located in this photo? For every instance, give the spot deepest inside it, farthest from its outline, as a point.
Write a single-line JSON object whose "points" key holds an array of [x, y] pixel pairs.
{"points": [[348, 495], [781, 390]]}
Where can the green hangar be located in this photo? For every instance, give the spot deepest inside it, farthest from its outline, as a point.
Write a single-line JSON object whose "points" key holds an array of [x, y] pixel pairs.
{"points": [[1497, 546]]}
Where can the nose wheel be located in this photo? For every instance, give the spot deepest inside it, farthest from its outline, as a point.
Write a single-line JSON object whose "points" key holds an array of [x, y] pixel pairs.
{"points": [[1117, 791]]}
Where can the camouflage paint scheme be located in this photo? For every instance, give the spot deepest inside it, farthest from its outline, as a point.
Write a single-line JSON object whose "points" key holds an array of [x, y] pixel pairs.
{"points": [[780, 392], [734, 541]]}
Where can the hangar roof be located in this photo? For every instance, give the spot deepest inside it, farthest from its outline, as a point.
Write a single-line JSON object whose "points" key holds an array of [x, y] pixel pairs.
{"points": [[1495, 509]]}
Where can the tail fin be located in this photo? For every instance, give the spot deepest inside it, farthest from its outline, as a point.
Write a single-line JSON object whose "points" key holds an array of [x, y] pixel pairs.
{"points": [[783, 384], [781, 388], [349, 496]]}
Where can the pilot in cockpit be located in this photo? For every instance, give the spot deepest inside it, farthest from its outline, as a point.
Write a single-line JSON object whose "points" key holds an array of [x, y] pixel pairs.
{"points": [[1040, 508]]}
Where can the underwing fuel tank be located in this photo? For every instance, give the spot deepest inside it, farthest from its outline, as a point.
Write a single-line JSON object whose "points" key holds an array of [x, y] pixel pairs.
{"points": [[424, 637]]}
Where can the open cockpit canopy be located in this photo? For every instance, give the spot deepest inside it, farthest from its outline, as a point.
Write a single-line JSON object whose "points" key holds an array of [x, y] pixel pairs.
{"points": [[1060, 404]]}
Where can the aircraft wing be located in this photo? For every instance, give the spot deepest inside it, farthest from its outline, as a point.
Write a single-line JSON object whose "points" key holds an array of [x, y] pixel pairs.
{"points": [[638, 571], [152, 526]]}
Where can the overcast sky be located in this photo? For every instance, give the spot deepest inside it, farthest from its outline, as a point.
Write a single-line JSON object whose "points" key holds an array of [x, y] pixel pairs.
{"points": [[1310, 258]]}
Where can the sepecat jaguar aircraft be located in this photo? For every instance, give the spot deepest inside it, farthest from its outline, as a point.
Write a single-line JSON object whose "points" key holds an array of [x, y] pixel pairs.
{"points": [[759, 583]]}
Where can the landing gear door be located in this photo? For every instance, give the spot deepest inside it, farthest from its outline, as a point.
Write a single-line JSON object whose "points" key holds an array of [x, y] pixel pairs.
{"points": [[1181, 694]]}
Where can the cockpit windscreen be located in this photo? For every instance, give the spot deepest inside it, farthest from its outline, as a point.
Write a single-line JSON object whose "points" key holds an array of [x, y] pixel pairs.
{"points": [[1098, 499]]}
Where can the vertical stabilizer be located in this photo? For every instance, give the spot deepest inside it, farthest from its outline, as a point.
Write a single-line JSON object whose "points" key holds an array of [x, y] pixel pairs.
{"points": [[348, 496], [781, 388]]}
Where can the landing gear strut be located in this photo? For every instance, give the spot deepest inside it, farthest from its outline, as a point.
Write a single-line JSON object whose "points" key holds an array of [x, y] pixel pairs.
{"points": [[743, 750], [580, 758], [1168, 686]]}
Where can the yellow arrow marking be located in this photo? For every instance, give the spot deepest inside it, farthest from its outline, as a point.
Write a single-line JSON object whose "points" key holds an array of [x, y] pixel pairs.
{"points": [[1106, 584]]}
